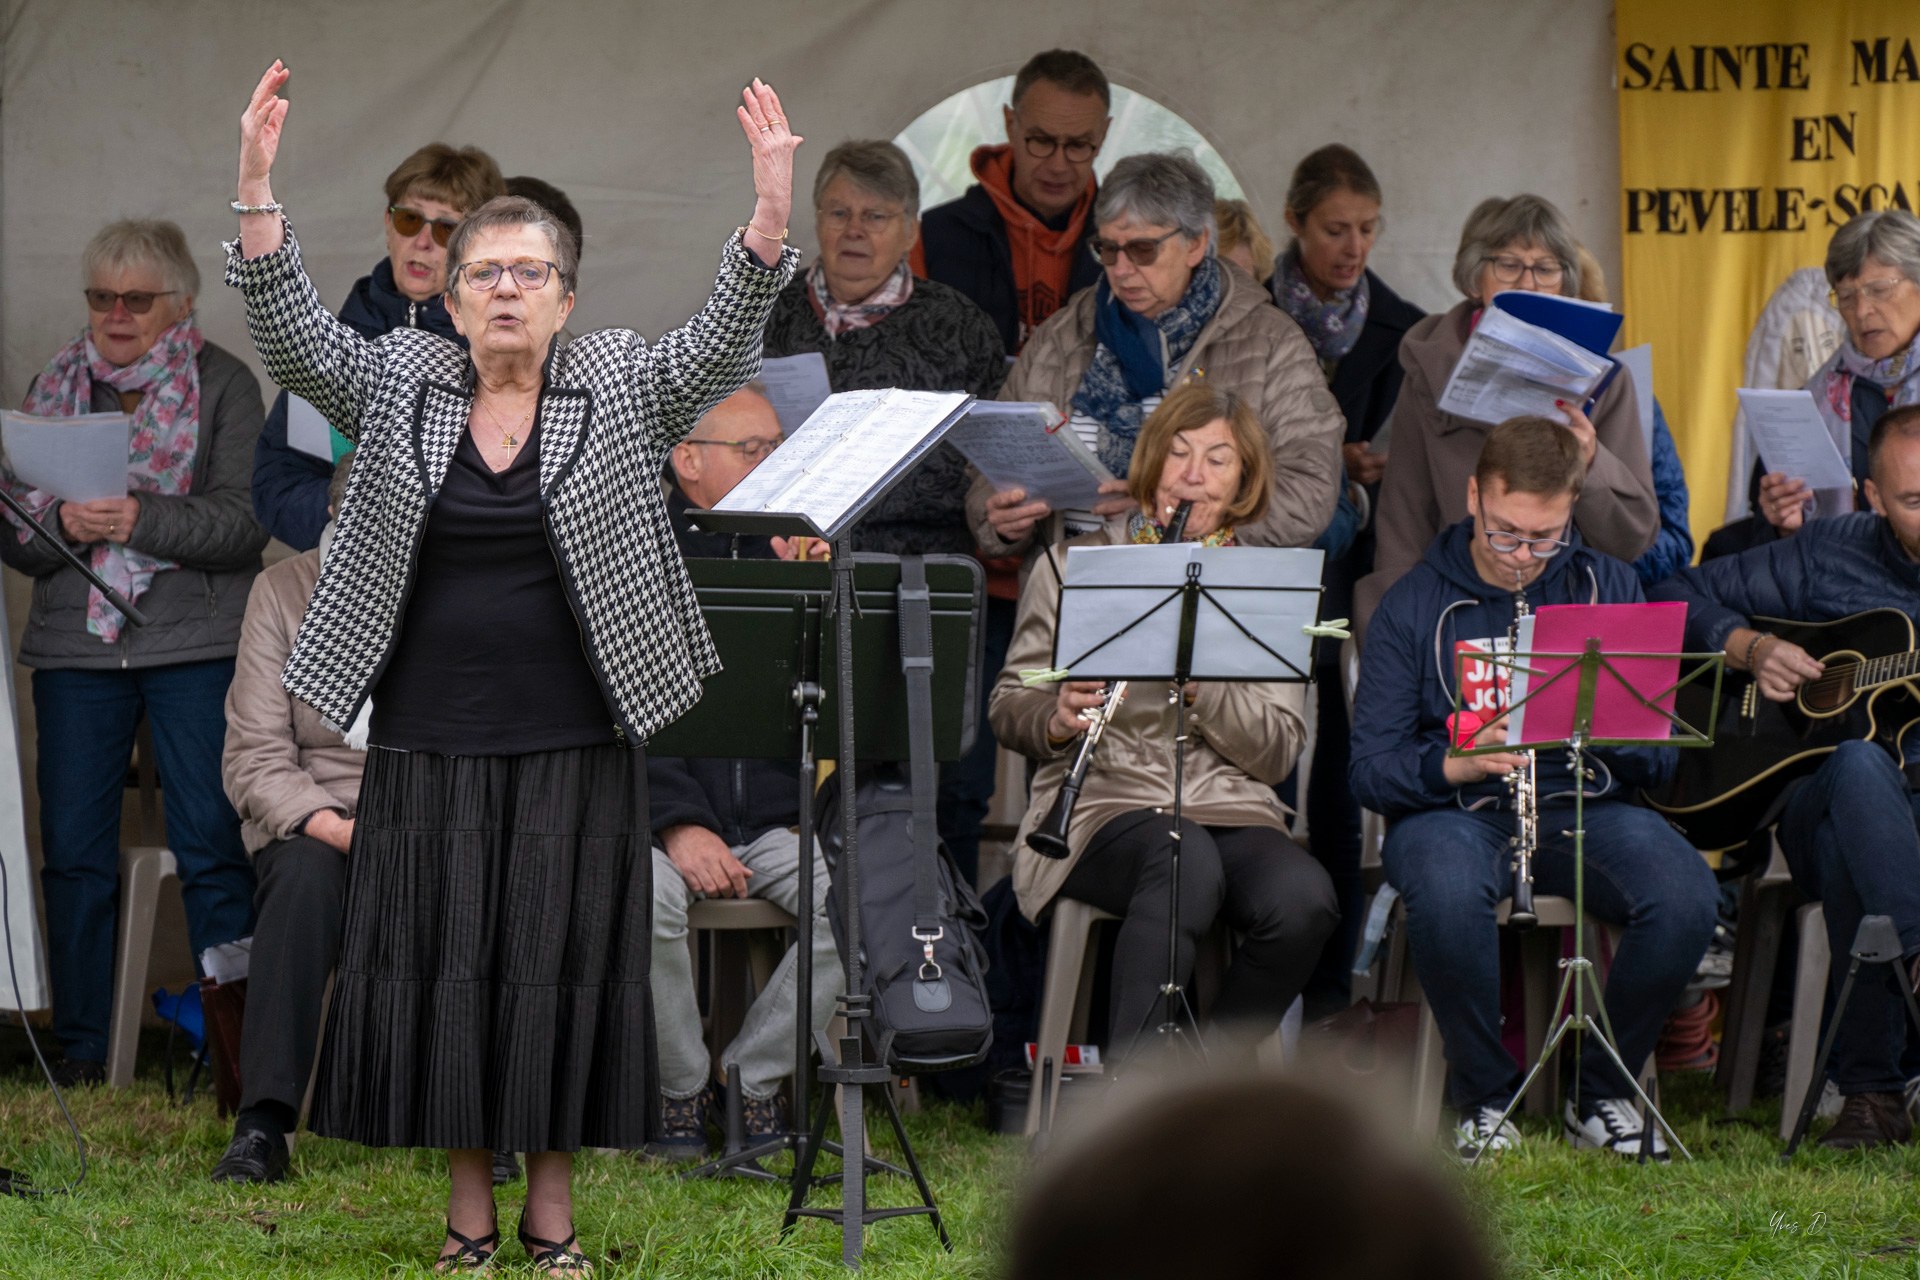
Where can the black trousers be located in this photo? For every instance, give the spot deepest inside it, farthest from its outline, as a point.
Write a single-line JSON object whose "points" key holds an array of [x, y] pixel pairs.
{"points": [[303, 889], [1262, 884]]}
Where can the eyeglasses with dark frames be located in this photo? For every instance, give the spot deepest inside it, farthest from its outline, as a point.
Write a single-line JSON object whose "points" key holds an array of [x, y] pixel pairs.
{"points": [[1143, 251], [528, 273], [1041, 145], [138, 301], [1540, 548], [409, 221], [1510, 270]]}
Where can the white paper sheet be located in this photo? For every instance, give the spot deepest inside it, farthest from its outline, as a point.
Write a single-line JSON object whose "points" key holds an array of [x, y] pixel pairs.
{"points": [[1030, 447], [307, 430], [1513, 369], [75, 459], [849, 445], [1792, 438], [797, 385], [1638, 361]]}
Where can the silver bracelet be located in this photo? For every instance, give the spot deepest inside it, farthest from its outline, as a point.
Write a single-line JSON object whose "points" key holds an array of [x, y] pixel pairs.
{"points": [[256, 208]]}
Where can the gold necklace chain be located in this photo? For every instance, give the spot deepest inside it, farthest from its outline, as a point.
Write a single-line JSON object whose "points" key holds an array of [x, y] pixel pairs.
{"points": [[507, 439]]}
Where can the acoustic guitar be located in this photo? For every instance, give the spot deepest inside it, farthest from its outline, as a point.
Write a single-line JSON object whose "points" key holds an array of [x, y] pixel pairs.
{"points": [[1723, 795]]}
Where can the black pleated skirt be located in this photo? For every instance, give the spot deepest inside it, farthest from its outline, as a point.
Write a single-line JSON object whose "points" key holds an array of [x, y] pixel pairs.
{"points": [[492, 989]]}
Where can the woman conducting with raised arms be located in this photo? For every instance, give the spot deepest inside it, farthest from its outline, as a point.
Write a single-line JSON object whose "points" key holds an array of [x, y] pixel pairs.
{"points": [[504, 591]]}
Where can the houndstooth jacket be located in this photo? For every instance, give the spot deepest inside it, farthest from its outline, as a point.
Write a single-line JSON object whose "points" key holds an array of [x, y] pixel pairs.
{"points": [[611, 408]]}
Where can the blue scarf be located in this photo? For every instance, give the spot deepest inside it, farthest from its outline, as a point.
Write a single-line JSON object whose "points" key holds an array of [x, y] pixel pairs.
{"points": [[1333, 326], [1134, 357]]}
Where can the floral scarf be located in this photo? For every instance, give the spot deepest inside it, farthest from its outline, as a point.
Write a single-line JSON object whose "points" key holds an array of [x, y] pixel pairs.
{"points": [[871, 310], [161, 445], [1144, 529], [1134, 359], [1333, 326], [1832, 385]]}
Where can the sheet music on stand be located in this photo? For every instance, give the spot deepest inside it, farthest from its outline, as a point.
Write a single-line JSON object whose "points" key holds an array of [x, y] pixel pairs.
{"points": [[854, 447]]}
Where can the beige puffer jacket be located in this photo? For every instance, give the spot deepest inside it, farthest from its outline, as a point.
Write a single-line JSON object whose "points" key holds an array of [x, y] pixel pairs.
{"points": [[282, 762], [1249, 347], [1245, 739]]}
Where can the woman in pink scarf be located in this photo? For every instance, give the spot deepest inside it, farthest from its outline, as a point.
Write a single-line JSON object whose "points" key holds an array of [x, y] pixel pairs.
{"points": [[184, 546]]}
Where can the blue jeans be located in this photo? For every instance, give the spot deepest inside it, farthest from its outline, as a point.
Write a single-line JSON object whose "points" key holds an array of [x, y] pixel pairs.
{"points": [[1850, 839], [966, 784], [87, 721], [1452, 868]]}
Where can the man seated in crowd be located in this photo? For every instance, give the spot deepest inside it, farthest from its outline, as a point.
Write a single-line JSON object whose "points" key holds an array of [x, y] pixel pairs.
{"points": [[726, 829], [1848, 832], [295, 784], [426, 196], [1449, 818], [1016, 241]]}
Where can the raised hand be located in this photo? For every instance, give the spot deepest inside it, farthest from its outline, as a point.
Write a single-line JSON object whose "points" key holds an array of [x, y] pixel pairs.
{"points": [[260, 127], [773, 144]]}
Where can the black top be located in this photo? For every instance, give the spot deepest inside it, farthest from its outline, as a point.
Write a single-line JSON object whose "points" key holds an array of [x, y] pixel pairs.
{"points": [[964, 245], [1366, 382], [489, 660]]}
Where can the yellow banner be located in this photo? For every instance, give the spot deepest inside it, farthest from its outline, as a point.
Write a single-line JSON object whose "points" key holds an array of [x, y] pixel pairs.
{"points": [[1750, 130]]}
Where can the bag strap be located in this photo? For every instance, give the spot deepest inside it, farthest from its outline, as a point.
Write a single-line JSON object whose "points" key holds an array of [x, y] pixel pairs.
{"points": [[916, 662]]}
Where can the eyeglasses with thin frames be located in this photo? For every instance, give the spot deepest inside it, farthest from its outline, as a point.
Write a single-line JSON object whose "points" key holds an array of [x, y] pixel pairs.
{"points": [[1510, 270], [872, 221], [752, 450], [409, 221], [528, 273], [1143, 251], [138, 301], [1873, 291]]}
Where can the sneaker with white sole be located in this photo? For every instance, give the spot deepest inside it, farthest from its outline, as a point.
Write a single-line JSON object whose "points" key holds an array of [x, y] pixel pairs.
{"points": [[1611, 1124], [1481, 1129]]}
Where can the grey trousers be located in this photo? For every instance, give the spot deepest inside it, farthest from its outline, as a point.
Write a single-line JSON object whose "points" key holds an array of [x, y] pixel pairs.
{"points": [[764, 1047]]}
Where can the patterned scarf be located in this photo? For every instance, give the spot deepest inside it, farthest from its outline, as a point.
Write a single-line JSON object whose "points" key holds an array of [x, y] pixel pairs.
{"points": [[1332, 326], [161, 445], [871, 310], [1136, 356], [1898, 375], [1143, 528]]}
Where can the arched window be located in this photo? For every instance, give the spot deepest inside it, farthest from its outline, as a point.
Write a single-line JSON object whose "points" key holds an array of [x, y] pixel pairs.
{"points": [[941, 141]]}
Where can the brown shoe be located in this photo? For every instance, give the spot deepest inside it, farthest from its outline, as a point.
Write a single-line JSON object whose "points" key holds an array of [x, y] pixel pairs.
{"points": [[1870, 1120]]}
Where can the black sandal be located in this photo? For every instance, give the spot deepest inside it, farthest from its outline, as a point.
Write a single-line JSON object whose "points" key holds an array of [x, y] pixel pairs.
{"points": [[561, 1257], [468, 1254]]}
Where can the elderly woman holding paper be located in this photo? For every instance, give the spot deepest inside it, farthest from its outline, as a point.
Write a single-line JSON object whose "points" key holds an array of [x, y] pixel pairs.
{"points": [[1165, 312], [1522, 242], [861, 308], [504, 593], [1203, 446], [1873, 266], [182, 544]]}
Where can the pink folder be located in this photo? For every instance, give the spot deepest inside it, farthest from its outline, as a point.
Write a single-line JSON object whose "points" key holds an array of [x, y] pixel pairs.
{"points": [[1564, 629]]}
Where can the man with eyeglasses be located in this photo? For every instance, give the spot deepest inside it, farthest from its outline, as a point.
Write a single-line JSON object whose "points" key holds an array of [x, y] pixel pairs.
{"points": [[1015, 242], [1450, 818], [727, 829], [426, 197]]}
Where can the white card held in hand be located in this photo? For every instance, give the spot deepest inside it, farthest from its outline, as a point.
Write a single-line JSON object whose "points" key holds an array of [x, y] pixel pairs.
{"points": [[75, 459], [1792, 438]]}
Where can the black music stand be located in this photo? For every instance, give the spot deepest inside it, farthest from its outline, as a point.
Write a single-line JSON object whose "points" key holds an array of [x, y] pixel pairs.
{"points": [[770, 621], [1183, 612], [1598, 682]]}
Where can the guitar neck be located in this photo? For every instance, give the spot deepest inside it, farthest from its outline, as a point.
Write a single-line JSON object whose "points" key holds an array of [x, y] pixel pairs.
{"points": [[1891, 668]]}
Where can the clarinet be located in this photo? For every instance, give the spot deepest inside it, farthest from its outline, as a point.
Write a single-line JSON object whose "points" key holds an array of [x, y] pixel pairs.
{"points": [[1049, 838], [1522, 793]]}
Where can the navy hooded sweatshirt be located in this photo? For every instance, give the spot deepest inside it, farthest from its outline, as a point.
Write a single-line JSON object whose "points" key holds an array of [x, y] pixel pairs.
{"points": [[290, 487], [1407, 670]]}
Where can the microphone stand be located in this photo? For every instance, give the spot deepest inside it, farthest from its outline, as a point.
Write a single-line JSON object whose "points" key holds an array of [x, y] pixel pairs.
{"points": [[114, 598]]}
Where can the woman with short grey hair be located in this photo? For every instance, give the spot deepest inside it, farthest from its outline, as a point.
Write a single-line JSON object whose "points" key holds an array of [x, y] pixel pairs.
{"points": [[1873, 265], [1164, 312], [182, 543], [1518, 242]]}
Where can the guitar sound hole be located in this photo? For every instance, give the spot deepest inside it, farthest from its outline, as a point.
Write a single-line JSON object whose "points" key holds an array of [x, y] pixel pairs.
{"points": [[1834, 688]]}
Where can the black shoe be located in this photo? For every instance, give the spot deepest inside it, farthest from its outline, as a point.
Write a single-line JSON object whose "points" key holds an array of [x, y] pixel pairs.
{"points": [[683, 1128], [506, 1168], [1869, 1120], [763, 1118], [71, 1073], [255, 1156], [555, 1257]]}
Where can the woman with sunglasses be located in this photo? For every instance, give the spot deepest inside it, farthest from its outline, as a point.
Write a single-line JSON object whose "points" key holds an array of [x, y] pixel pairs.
{"points": [[426, 196], [1522, 242], [184, 546], [1164, 311], [504, 604]]}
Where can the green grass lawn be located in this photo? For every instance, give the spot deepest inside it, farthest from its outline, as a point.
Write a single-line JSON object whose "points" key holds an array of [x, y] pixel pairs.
{"points": [[148, 1211]]}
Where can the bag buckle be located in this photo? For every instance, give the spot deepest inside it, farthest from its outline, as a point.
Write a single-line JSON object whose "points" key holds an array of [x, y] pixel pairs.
{"points": [[929, 970]]}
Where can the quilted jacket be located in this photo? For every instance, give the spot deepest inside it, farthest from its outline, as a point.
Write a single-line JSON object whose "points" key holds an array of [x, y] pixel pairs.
{"points": [[611, 409], [1249, 347]]}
